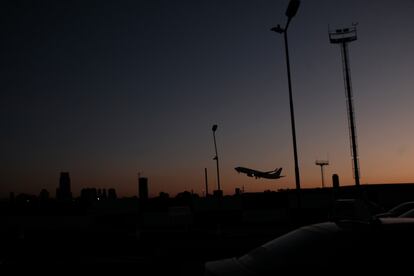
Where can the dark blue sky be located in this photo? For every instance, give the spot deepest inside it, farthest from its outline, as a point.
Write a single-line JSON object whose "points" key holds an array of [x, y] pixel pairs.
{"points": [[104, 89]]}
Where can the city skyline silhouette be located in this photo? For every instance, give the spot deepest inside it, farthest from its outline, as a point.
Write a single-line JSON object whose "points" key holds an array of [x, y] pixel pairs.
{"points": [[106, 90]]}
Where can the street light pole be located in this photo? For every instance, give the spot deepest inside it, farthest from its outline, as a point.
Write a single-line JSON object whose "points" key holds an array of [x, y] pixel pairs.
{"points": [[292, 115], [290, 13], [216, 157]]}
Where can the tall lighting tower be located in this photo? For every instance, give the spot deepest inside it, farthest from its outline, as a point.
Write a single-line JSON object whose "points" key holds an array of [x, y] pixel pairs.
{"points": [[343, 37]]}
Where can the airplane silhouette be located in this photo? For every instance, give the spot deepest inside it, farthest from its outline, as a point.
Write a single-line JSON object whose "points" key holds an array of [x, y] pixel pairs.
{"points": [[275, 174]]}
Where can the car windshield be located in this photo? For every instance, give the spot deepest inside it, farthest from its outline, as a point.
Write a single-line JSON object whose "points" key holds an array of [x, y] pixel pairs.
{"points": [[408, 214]]}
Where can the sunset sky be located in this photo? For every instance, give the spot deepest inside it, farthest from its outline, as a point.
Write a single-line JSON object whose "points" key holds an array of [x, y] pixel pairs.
{"points": [[107, 89]]}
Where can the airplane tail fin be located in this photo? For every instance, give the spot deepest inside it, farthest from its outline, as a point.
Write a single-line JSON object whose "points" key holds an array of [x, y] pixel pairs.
{"points": [[278, 171]]}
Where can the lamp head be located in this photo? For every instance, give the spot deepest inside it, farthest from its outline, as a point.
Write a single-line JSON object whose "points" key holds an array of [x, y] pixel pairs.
{"points": [[278, 29], [292, 8], [214, 127]]}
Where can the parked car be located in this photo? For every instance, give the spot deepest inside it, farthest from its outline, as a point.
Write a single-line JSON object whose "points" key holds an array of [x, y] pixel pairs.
{"points": [[352, 209], [397, 210], [327, 247]]}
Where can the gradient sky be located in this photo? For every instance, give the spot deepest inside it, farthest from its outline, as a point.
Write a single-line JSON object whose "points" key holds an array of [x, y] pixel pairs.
{"points": [[106, 89]]}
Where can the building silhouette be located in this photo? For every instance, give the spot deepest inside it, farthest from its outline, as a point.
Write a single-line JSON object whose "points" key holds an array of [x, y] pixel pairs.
{"points": [[12, 197], [104, 194], [112, 194], [143, 188], [44, 195], [63, 192]]}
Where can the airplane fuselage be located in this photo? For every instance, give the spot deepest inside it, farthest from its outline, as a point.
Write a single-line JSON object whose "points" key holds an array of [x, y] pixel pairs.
{"points": [[275, 174]]}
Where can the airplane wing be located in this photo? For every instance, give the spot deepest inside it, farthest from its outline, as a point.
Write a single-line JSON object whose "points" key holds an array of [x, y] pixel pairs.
{"points": [[275, 170]]}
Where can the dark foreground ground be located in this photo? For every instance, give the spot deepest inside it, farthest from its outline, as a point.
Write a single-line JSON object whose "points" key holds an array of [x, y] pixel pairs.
{"points": [[167, 237], [110, 241]]}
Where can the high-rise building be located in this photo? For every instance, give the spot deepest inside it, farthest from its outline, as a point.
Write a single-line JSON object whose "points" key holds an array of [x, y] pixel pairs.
{"points": [[112, 194], [143, 188], [63, 192]]}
